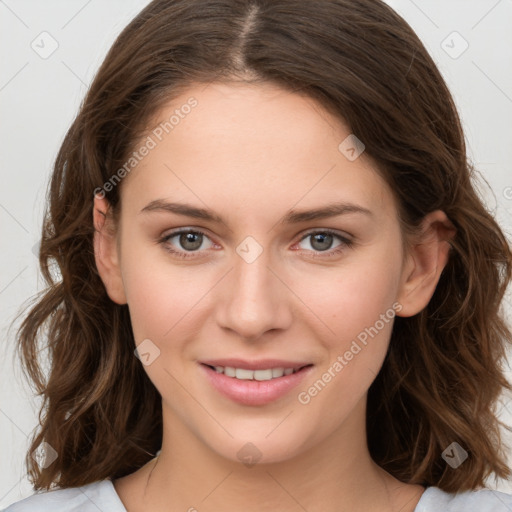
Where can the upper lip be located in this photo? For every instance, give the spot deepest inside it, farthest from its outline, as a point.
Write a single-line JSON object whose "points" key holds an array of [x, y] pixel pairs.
{"points": [[262, 364]]}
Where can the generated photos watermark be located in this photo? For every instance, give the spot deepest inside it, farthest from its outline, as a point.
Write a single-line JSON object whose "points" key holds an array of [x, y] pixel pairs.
{"points": [[149, 144], [343, 360]]}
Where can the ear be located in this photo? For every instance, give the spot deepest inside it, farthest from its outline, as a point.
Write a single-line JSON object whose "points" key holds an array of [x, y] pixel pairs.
{"points": [[106, 251], [424, 263]]}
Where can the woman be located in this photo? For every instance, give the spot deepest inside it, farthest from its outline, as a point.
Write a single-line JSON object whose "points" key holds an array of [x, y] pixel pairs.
{"points": [[280, 290]]}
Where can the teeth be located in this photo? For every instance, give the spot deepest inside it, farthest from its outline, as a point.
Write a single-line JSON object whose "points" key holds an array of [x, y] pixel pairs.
{"points": [[229, 371], [243, 374], [261, 374], [277, 372]]}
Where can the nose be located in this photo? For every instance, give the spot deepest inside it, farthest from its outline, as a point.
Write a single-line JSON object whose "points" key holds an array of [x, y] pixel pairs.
{"points": [[253, 299]]}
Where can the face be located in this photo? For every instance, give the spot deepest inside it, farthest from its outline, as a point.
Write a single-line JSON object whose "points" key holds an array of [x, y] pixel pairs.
{"points": [[258, 284]]}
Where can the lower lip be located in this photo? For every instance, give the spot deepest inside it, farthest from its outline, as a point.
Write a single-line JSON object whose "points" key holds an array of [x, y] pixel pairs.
{"points": [[254, 392]]}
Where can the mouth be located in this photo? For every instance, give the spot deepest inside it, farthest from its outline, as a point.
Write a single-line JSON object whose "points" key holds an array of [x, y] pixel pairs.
{"points": [[255, 386]]}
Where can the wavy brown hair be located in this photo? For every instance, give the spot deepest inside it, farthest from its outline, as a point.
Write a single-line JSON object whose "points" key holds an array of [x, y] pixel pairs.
{"points": [[442, 376]]}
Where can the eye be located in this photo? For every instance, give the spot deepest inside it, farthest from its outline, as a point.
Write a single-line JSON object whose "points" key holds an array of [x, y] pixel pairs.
{"points": [[321, 242], [189, 240]]}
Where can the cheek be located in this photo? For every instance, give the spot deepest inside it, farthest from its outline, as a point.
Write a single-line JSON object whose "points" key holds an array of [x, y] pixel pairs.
{"points": [[165, 298], [354, 357], [358, 306], [352, 297], [164, 305], [159, 302]]}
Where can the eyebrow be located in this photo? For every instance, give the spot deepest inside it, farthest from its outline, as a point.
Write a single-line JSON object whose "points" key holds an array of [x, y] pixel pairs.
{"points": [[292, 217]]}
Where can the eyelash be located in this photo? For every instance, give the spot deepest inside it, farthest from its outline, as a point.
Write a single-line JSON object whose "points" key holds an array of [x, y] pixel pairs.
{"points": [[345, 243]]}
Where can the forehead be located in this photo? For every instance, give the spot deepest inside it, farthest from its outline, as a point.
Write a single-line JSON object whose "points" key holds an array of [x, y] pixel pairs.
{"points": [[252, 147]]}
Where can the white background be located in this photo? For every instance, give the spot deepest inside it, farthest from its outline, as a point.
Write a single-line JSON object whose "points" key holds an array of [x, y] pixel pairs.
{"points": [[40, 97]]}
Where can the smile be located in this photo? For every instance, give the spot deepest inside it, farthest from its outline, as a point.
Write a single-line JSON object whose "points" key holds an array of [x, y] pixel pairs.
{"points": [[243, 374], [254, 386]]}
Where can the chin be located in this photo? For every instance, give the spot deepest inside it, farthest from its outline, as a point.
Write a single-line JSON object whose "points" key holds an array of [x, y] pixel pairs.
{"points": [[258, 449]]}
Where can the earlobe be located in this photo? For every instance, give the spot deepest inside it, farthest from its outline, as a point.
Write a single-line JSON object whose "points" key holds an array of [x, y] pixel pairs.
{"points": [[106, 252], [426, 260]]}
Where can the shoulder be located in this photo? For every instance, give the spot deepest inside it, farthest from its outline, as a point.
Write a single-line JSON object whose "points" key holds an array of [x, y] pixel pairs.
{"points": [[92, 497], [482, 500]]}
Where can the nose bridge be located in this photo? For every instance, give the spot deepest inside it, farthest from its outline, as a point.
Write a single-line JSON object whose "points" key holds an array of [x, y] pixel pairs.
{"points": [[253, 298]]}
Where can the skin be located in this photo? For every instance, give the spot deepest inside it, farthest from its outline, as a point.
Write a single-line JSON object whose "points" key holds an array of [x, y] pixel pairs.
{"points": [[252, 153]]}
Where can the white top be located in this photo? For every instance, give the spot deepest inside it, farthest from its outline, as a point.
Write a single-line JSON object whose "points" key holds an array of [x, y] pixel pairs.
{"points": [[102, 495]]}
